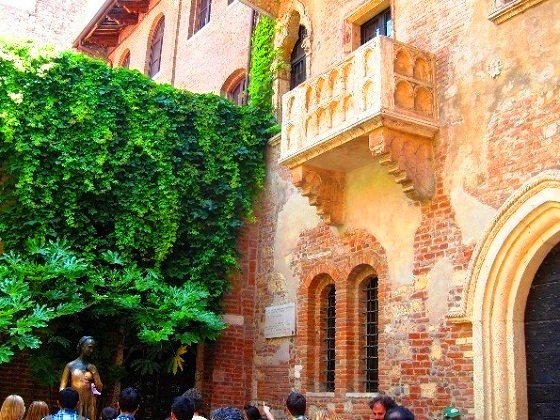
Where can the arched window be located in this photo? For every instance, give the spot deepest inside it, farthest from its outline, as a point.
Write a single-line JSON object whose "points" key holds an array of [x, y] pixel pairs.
{"points": [[297, 60], [125, 60], [371, 328], [329, 331], [237, 92], [156, 45]]}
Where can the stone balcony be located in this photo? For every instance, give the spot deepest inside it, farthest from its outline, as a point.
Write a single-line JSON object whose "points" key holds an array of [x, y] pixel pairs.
{"points": [[380, 102]]}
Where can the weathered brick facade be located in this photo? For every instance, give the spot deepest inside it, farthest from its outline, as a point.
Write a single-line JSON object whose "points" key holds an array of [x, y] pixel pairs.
{"points": [[454, 262]]}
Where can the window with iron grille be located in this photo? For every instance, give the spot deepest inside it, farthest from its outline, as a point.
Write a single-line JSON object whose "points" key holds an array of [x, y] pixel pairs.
{"points": [[297, 60], [156, 49], [329, 325], [372, 335], [380, 24], [202, 13]]}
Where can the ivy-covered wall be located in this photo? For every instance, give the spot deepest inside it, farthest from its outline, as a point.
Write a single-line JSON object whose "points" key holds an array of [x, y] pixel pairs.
{"points": [[121, 202]]}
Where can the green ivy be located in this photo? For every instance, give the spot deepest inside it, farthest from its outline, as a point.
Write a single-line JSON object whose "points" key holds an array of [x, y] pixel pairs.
{"points": [[263, 59], [140, 188]]}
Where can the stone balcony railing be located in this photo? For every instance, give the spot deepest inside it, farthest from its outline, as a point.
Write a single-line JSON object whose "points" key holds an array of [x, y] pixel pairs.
{"points": [[379, 101]]}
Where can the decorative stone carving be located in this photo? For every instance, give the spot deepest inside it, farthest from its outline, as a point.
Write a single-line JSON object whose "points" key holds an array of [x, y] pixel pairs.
{"points": [[408, 158], [324, 189], [383, 92]]}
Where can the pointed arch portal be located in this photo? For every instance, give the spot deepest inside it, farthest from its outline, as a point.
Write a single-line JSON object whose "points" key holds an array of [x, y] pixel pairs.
{"points": [[504, 264]]}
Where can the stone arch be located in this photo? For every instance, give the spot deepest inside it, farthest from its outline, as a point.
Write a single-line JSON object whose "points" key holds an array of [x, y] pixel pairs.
{"points": [[423, 101], [285, 40], [403, 63], [232, 80], [311, 292], [124, 60], [422, 70], [287, 33], [404, 95], [504, 264]]}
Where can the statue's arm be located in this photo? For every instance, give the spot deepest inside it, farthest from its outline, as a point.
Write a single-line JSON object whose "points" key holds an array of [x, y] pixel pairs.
{"points": [[96, 377], [65, 377]]}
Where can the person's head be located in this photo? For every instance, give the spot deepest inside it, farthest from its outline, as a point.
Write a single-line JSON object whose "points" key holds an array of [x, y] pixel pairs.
{"points": [[68, 398], [399, 413], [296, 404], [226, 413], [451, 413], [195, 396], [85, 345], [380, 405], [37, 410], [109, 413], [129, 400], [252, 412], [326, 414], [182, 408], [13, 408]]}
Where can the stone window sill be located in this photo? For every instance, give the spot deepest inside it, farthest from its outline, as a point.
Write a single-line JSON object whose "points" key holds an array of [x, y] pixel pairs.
{"points": [[506, 11]]}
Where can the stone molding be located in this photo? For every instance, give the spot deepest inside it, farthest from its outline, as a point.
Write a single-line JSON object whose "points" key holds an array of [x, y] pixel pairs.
{"points": [[507, 10], [506, 213], [500, 275]]}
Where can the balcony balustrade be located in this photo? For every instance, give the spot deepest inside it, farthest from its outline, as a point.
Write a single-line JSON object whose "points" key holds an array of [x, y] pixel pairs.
{"points": [[379, 101]]}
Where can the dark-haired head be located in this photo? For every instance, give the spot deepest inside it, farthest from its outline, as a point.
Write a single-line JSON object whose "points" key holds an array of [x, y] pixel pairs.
{"points": [[68, 398], [252, 412], [129, 400], [182, 408], [226, 413], [296, 404], [196, 397], [109, 413], [384, 400], [399, 413]]}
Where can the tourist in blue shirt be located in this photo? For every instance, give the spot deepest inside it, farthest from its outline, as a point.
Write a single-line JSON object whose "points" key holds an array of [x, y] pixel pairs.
{"points": [[129, 402], [67, 402]]}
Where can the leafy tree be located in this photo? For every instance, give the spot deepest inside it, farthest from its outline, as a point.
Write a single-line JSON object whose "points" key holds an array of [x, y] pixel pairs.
{"points": [[121, 202]]}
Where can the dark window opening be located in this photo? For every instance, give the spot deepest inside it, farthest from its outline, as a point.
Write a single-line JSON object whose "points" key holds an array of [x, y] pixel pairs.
{"points": [[237, 94], [372, 336], [330, 313], [203, 13], [156, 49], [126, 61], [381, 24], [297, 60]]}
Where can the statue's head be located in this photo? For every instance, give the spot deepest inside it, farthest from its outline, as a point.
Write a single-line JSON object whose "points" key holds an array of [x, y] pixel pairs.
{"points": [[86, 345]]}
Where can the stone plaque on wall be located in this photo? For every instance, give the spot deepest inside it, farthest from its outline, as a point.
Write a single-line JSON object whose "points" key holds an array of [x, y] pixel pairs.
{"points": [[280, 320]]}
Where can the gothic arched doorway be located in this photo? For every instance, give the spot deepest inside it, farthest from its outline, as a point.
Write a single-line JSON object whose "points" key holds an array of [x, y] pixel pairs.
{"points": [[542, 340]]}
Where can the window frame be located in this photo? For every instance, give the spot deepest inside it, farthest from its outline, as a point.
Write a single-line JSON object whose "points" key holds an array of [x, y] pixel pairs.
{"points": [[355, 20], [203, 14], [383, 20], [298, 60], [370, 286], [156, 41]]}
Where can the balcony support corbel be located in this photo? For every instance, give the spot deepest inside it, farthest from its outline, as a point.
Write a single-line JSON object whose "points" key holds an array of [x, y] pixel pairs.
{"points": [[408, 157], [324, 189]]}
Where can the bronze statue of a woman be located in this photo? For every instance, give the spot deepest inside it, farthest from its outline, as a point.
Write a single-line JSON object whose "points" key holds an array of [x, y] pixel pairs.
{"points": [[84, 378]]}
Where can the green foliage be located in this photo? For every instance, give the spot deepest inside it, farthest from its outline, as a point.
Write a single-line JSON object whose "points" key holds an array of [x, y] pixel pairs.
{"points": [[121, 202], [263, 59]]}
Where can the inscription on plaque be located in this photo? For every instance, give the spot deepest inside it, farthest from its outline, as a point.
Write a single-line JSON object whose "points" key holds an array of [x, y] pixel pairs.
{"points": [[280, 320]]}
